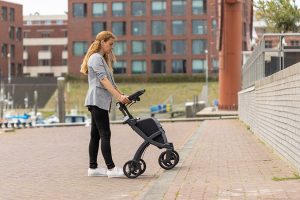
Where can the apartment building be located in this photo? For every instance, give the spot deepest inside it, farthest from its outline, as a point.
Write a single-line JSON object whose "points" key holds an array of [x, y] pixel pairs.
{"points": [[45, 45], [11, 42], [154, 37]]}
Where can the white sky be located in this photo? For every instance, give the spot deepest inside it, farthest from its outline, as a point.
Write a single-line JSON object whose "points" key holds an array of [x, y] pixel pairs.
{"points": [[48, 7]]}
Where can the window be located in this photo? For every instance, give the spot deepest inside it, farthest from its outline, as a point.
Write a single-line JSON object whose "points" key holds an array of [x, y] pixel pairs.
{"points": [[12, 32], [120, 67], [12, 14], [178, 7], [179, 66], [12, 51], [198, 66], [99, 9], [158, 47], [44, 62], [178, 27], [19, 34], [199, 46], [4, 13], [138, 47], [120, 48], [138, 8], [118, 9], [214, 24], [119, 28], [158, 8], [199, 27], [59, 22], [268, 44], [198, 7], [158, 27], [98, 27], [47, 22], [215, 64], [138, 28], [64, 62], [158, 66], [45, 34], [79, 9], [4, 51], [295, 43], [138, 67], [79, 48], [178, 47]]}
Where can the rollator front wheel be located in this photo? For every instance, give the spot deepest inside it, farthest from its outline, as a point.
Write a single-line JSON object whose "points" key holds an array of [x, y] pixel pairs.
{"points": [[143, 166], [132, 169], [168, 159]]}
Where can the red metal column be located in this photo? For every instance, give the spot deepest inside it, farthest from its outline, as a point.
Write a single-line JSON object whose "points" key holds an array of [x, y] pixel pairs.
{"points": [[230, 56]]}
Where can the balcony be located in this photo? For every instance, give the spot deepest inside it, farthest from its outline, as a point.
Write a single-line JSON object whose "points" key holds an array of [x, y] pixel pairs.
{"points": [[44, 55]]}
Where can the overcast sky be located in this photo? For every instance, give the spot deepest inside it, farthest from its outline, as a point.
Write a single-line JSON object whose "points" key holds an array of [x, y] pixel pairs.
{"points": [[46, 7]]}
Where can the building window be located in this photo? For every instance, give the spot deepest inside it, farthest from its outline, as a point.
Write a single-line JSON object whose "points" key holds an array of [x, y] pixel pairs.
{"points": [[59, 22], [12, 14], [199, 46], [4, 50], [215, 64], [99, 9], [179, 66], [64, 62], [178, 47], [158, 8], [158, 66], [4, 14], [158, 47], [119, 28], [45, 34], [198, 7], [79, 48], [12, 32], [79, 9], [138, 8], [120, 67], [178, 7], [97, 27], [138, 47], [138, 67], [138, 28], [19, 34], [178, 27], [118, 9], [268, 44], [47, 22], [214, 24], [198, 66], [199, 27], [120, 48], [295, 43], [158, 27], [44, 62]]}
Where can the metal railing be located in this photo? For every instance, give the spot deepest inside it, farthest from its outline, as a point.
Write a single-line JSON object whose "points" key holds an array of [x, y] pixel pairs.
{"points": [[273, 53]]}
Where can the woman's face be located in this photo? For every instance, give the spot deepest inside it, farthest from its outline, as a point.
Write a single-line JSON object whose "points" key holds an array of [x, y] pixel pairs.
{"points": [[107, 46]]}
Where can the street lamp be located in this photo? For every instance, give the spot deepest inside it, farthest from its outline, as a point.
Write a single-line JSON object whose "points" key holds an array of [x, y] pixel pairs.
{"points": [[206, 76], [9, 68]]}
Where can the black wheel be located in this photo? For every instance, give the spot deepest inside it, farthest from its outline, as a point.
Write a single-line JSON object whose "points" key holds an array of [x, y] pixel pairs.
{"points": [[168, 159], [132, 169], [143, 166]]}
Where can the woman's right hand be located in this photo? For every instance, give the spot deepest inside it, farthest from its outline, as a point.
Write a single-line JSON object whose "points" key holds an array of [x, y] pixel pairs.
{"points": [[123, 99]]}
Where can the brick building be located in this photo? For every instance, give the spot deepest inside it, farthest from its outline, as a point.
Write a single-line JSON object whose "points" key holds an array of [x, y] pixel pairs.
{"points": [[154, 37], [11, 42], [45, 45]]}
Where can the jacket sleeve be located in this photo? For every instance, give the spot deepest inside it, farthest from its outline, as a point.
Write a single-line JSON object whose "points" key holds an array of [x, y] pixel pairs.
{"points": [[97, 64]]}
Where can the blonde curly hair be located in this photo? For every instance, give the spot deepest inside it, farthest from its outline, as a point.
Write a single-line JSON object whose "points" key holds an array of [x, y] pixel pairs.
{"points": [[95, 47]]}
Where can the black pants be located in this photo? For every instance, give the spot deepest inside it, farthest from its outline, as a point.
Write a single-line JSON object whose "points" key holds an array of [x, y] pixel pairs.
{"points": [[100, 130]]}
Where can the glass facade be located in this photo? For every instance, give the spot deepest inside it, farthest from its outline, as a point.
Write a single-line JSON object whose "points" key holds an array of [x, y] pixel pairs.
{"points": [[99, 9], [138, 8], [138, 67], [138, 28], [178, 27], [79, 48], [138, 47], [158, 27]]}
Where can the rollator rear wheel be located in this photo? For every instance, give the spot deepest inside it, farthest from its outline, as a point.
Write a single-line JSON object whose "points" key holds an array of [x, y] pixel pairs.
{"points": [[168, 159], [132, 169], [143, 166]]}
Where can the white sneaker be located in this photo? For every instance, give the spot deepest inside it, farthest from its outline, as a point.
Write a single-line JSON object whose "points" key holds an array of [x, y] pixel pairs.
{"points": [[97, 172], [115, 172]]}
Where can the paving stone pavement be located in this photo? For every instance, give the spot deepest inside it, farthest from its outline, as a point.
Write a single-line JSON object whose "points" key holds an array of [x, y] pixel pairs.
{"points": [[220, 160]]}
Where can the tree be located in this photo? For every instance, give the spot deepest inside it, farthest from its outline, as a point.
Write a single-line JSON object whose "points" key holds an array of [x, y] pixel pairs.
{"points": [[281, 16]]}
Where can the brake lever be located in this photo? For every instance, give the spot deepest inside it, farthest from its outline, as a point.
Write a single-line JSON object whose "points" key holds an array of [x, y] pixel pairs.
{"points": [[133, 102]]}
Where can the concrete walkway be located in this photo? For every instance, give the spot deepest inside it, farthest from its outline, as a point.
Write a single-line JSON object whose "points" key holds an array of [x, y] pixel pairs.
{"points": [[220, 159]]}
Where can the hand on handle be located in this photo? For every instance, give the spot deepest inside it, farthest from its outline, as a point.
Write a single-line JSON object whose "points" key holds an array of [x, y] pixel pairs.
{"points": [[124, 99]]}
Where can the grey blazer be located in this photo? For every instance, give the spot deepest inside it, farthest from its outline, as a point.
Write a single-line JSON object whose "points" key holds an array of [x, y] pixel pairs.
{"points": [[97, 95]]}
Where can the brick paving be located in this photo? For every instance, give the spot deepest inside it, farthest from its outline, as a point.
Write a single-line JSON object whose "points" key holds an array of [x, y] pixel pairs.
{"points": [[220, 160]]}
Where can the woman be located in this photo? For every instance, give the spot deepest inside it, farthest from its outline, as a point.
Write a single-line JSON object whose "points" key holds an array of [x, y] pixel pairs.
{"points": [[97, 64]]}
